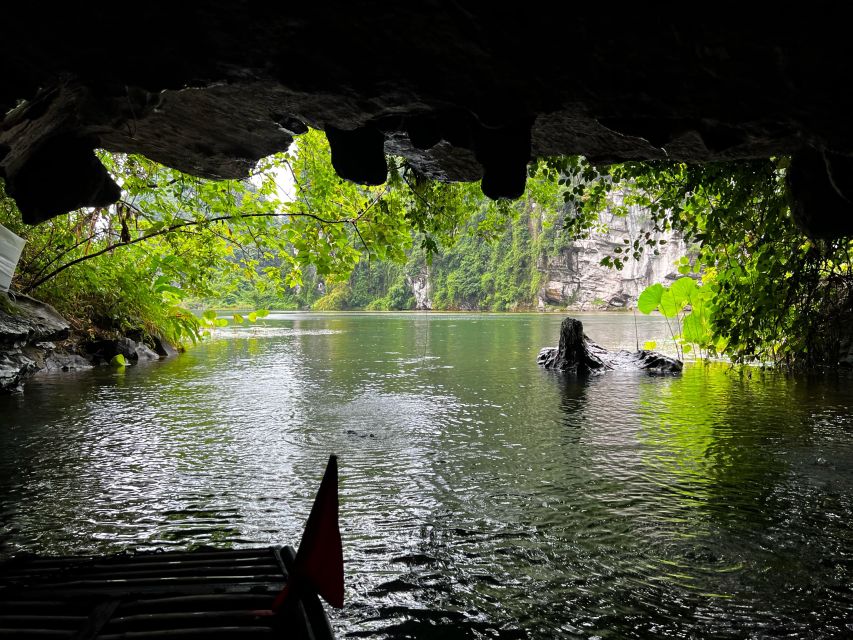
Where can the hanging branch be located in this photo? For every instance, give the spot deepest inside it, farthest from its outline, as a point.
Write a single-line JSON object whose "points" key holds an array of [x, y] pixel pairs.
{"points": [[184, 224]]}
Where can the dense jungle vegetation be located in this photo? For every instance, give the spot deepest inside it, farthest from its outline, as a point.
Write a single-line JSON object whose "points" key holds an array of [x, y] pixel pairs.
{"points": [[293, 235]]}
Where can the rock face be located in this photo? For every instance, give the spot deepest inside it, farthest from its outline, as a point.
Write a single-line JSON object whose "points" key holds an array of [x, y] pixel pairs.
{"points": [[163, 348], [462, 90], [29, 332], [25, 320], [578, 355], [421, 290], [15, 368], [576, 280]]}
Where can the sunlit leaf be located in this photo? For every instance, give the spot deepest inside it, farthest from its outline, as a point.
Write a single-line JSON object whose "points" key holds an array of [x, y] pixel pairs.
{"points": [[682, 289], [694, 330], [650, 298], [668, 306]]}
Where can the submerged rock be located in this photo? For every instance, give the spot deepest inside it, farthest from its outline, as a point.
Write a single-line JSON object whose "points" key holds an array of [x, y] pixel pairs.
{"points": [[578, 355], [163, 348], [135, 351], [103, 351], [15, 368], [64, 361]]}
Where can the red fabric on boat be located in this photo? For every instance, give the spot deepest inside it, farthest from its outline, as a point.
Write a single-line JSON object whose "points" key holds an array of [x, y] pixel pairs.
{"points": [[319, 563]]}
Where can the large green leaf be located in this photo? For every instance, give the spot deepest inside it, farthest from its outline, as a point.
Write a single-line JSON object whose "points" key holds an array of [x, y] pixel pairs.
{"points": [[700, 296], [694, 330], [669, 308], [170, 289], [682, 289], [650, 298]]}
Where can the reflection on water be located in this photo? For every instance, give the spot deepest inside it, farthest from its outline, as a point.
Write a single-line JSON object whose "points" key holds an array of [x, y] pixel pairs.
{"points": [[481, 496]]}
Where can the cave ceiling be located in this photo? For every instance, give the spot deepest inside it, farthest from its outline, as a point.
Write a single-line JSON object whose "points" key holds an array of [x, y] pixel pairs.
{"points": [[464, 91]]}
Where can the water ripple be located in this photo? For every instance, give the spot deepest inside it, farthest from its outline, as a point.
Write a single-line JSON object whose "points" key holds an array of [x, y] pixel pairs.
{"points": [[481, 496]]}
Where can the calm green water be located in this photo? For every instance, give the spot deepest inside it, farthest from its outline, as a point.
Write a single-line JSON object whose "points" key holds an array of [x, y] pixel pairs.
{"points": [[481, 496]]}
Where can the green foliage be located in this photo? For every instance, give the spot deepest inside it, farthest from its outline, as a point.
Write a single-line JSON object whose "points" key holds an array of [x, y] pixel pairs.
{"points": [[650, 298], [336, 299], [488, 262], [493, 265], [6, 305], [209, 320], [687, 305], [774, 294], [174, 238]]}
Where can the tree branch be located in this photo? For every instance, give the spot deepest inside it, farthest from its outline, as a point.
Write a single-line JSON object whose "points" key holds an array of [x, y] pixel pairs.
{"points": [[183, 225]]}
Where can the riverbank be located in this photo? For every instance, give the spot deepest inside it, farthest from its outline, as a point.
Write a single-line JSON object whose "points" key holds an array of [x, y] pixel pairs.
{"points": [[34, 337]]}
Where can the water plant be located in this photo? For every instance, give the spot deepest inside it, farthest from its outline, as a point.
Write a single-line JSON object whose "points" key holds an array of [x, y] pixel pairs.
{"points": [[687, 308]]}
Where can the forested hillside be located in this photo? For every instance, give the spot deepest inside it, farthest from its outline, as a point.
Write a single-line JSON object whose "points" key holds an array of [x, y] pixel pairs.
{"points": [[529, 262]]}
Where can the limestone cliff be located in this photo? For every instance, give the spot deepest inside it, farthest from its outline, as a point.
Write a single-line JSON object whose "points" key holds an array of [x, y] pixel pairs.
{"points": [[530, 262], [575, 278], [420, 286]]}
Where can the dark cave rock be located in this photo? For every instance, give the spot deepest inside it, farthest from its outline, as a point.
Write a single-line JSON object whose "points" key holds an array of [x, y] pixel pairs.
{"points": [[578, 355], [504, 153], [424, 133], [821, 185], [461, 90], [358, 155], [61, 176]]}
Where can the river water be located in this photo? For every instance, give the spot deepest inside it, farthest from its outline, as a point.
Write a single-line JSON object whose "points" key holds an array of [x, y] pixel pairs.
{"points": [[481, 497]]}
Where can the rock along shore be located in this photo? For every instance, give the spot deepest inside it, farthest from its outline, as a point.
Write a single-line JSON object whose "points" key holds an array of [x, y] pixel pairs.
{"points": [[35, 338]]}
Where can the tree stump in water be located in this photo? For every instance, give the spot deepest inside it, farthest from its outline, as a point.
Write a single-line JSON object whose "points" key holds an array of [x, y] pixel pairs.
{"points": [[578, 355]]}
